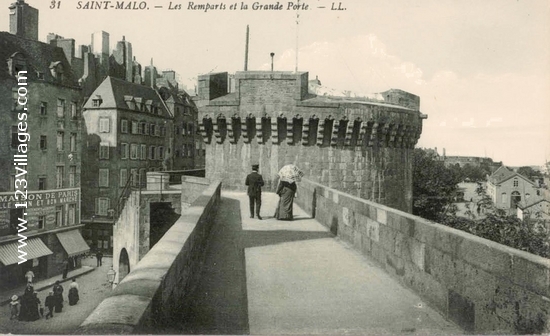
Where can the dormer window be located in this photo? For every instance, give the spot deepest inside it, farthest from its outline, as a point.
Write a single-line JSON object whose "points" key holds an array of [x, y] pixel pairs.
{"points": [[130, 102], [139, 103], [56, 69], [516, 182], [96, 101], [148, 105], [17, 65]]}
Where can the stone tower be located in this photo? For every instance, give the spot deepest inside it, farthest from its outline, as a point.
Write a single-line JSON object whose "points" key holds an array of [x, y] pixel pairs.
{"points": [[357, 145]]}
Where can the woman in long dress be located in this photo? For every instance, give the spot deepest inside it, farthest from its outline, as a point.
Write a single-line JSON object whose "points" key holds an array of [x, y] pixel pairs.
{"points": [[73, 293], [29, 306], [286, 191], [58, 294]]}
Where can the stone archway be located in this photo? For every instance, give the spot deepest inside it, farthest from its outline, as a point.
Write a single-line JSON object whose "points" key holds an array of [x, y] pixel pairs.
{"points": [[123, 265]]}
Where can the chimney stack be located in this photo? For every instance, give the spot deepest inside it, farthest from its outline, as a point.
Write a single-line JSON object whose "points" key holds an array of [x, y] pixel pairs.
{"points": [[246, 50], [24, 20]]}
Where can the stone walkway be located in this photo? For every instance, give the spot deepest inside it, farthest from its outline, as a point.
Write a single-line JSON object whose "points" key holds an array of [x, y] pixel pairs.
{"points": [[280, 277]]}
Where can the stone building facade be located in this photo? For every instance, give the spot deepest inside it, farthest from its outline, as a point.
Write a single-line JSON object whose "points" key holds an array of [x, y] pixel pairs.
{"points": [[131, 129], [509, 189], [186, 155], [39, 75], [128, 132], [360, 146]]}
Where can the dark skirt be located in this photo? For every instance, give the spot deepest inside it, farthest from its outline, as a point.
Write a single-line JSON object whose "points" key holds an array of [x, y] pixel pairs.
{"points": [[29, 309], [73, 296], [58, 303], [286, 201]]}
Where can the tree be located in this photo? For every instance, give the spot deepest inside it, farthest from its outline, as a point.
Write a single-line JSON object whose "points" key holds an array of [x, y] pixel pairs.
{"points": [[529, 234], [473, 173], [434, 186], [530, 173]]}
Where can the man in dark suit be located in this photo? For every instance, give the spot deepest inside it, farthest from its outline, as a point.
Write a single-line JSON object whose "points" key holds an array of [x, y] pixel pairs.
{"points": [[254, 181]]}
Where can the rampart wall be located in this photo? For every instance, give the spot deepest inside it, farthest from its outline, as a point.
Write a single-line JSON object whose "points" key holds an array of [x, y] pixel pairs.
{"points": [[481, 285], [155, 292]]}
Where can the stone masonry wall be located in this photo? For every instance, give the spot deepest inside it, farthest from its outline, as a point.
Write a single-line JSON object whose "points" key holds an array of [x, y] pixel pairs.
{"points": [[482, 286], [156, 290], [126, 233], [357, 146], [382, 175]]}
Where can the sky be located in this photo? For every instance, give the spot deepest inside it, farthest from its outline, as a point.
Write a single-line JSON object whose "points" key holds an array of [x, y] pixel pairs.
{"points": [[481, 68]]}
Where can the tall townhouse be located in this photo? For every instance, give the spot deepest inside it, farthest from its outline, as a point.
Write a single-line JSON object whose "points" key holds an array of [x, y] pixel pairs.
{"points": [[128, 132], [48, 157]]}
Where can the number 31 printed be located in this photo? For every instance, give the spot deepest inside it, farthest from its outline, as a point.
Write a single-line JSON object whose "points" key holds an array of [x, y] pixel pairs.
{"points": [[55, 4]]}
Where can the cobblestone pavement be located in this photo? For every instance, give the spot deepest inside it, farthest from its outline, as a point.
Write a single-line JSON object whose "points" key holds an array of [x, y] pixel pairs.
{"points": [[93, 289]]}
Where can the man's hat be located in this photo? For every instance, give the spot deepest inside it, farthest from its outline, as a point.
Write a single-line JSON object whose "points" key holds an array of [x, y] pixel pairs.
{"points": [[14, 298], [256, 166]]}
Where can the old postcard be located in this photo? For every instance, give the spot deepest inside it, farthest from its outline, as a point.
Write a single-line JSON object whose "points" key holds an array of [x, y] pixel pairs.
{"points": [[274, 167]]}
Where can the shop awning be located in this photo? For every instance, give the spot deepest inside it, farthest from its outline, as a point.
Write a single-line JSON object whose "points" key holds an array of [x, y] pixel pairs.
{"points": [[73, 243], [35, 248]]}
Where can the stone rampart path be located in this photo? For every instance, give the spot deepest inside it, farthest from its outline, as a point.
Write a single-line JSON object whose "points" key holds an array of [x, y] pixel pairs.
{"points": [[293, 277]]}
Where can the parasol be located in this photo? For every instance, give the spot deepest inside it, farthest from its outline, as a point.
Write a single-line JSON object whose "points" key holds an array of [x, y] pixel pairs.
{"points": [[290, 173]]}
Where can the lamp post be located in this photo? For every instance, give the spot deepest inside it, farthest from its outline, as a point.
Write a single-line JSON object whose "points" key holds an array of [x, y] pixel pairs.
{"points": [[111, 274]]}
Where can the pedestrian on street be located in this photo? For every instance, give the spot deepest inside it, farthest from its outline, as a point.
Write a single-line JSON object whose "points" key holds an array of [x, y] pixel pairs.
{"points": [[74, 284], [35, 307], [24, 314], [30, 276], [65, 268], [50, 303], [29, 306], [286, 191], [58, 294], [14, 307], [254, 181], [99, 256], [40, 305], [73, 293]]}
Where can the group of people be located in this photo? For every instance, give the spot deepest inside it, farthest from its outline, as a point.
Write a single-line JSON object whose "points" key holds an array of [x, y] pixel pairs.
{"points": [[285, 189], [28, 307]]}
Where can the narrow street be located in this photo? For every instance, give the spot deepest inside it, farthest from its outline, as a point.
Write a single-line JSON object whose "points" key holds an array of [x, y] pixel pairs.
{"points": [[93, 288]]}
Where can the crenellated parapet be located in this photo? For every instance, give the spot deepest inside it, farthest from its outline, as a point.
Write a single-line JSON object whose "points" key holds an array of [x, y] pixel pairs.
{"points": [[294, 130]]}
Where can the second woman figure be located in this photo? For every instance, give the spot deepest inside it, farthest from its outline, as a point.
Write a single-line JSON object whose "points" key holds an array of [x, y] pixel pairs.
{"points": [[286, 191]]}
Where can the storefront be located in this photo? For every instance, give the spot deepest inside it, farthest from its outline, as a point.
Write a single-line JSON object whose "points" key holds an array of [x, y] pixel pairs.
{"points": [[52, 225], [74, 246], [12, 273]]}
